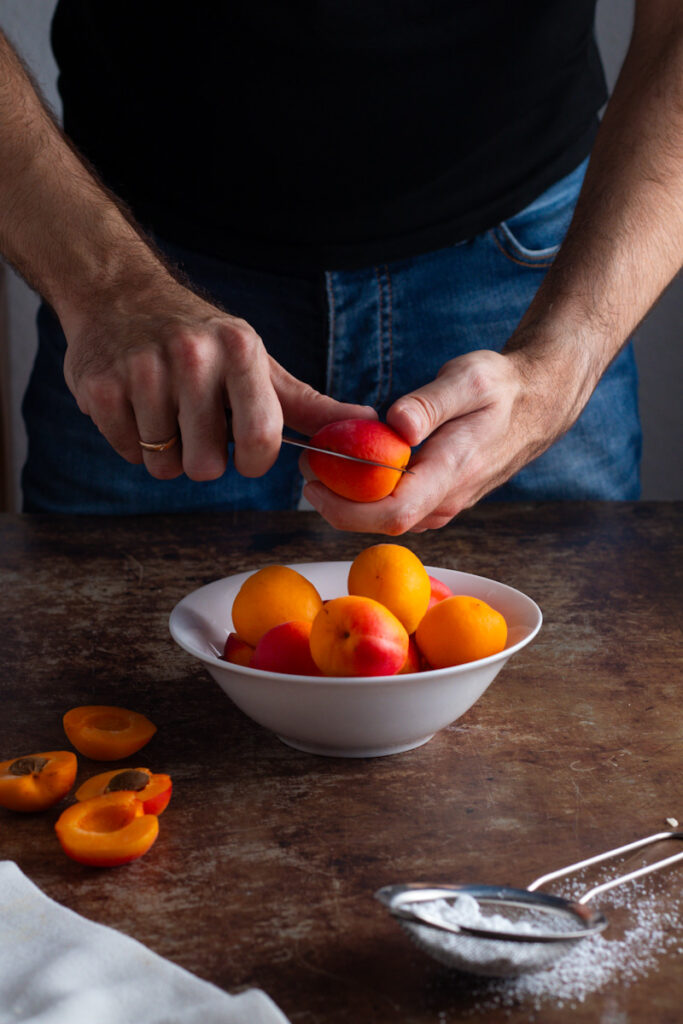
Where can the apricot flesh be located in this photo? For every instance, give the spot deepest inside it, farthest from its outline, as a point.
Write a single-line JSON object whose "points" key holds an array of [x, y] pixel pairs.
{"points": [[364, 439]]}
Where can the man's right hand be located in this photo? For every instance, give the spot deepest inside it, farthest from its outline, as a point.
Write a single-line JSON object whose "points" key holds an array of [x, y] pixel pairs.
{"points": [[160, 361]]}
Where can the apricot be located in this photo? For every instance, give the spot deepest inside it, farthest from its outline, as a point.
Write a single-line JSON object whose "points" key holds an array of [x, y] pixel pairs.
{"points": [[107, 830], [460, 629], [106, 733], [439, 591], [393, 575], [271, 596], [237, 651], [286, 648], [37, 781], [357, 636], [413, 662], [153, 790], [365, 439]]}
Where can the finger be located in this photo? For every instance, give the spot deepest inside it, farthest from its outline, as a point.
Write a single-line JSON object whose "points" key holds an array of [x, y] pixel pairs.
{"points": [[409, 503], [463, 385], [155, 416], [204, 432], [106, 402], [256, 414], [307, 410]]}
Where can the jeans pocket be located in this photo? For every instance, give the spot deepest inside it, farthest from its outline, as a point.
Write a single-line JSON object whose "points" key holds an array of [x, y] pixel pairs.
{"points": [[533, 236]]}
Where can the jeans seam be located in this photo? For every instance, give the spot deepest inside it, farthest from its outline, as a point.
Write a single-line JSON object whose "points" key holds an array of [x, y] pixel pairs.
{"points": [[331, 327], [390, 334], [385, 334]]}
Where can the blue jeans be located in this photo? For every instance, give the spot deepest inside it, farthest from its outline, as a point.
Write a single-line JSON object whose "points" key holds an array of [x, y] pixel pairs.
{"points": [[365, 336]]}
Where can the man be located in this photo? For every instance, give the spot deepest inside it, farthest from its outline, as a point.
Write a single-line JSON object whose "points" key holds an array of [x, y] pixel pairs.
{"points": [[377, 199]]}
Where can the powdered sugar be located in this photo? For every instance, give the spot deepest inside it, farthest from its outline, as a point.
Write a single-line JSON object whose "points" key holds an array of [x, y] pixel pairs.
{"points": [[644, 927]]}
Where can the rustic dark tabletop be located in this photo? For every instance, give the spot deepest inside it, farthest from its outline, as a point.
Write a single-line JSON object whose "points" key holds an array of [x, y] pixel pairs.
{"points": [[267, 859]]}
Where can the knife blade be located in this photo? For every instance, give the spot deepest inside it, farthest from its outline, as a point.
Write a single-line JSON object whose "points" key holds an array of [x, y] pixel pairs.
{"points": [[341, 455], [323, 451]]}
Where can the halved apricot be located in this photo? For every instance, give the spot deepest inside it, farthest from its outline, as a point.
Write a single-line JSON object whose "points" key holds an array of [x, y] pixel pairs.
{"points": [[107, 830], [152, 790], [105, 733], [36, 781]]}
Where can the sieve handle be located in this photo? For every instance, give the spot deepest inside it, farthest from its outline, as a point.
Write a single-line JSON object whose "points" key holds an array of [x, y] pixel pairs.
{"points": [[619, 851]]}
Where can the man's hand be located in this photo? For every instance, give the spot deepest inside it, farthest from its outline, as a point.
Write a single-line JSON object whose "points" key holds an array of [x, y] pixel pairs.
{"points": [[146, 357], [487, 415], [483, 418], [152, 363]]}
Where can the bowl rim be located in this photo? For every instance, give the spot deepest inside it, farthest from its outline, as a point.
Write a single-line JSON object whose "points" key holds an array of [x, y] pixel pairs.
{"points": [[220, 664]]}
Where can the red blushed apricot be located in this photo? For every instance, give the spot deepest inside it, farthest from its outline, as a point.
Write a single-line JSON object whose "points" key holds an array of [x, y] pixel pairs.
{"points": [[106, 831], [105, 733], [439, 592], [365, 439], [152, 790], [413, 662], [37, 781], [357, 636], [237, 651], [286, 648]]}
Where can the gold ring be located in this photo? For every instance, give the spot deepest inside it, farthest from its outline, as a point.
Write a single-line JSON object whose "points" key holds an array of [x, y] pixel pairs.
{"points": [[159, 446]]}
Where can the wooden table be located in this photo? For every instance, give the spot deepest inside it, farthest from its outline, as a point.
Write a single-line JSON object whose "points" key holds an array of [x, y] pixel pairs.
{"points": [[268, 858]]}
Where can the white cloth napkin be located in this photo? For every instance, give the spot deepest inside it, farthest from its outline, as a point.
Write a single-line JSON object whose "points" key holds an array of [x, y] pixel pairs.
{"points": [[59, 968]]}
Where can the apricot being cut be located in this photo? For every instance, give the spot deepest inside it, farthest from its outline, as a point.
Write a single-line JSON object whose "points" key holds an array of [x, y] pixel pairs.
{"points": [[105, 733], [357, 636], [153, 790], [286, 648], [460, 629], [37, 781], [271, 596], [365, 439], [107, 830], [393, 575]]}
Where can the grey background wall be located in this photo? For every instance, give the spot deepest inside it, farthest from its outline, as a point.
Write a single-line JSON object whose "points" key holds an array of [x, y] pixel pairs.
{"points": [[659, 347]]}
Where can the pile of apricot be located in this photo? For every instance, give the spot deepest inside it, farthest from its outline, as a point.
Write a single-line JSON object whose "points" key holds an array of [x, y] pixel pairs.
{"points": [[395, 618], [115, 818]]}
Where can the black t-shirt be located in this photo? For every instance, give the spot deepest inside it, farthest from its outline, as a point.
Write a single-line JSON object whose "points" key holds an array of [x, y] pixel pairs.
{"points": [[328, 133]]}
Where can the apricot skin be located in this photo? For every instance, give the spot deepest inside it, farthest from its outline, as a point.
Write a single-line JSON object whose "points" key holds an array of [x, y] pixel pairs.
{"points": [[286, 648], [364, 439], [356, 636]]}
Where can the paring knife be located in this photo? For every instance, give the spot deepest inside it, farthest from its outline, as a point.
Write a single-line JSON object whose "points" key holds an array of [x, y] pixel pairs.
{"points": [[340, 455], [323, 451]]}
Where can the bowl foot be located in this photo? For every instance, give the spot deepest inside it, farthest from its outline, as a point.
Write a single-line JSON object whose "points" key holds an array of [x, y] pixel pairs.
{"points": [[324, 751]]}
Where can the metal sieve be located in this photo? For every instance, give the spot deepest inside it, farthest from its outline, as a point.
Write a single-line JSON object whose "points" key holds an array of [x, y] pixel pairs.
{"points": [[502, 931]]}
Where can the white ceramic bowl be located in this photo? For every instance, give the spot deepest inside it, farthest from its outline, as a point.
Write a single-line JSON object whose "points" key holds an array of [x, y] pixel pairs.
{"points": [[350, 717]]}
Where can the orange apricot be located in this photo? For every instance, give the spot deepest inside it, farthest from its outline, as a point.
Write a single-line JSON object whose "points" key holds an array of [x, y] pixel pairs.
{"points": [[107, 830], [365, 439], [106, 733], [393, 575], [36, 781], [356, 636], [460, 629], [271, 596], [153, 790]]}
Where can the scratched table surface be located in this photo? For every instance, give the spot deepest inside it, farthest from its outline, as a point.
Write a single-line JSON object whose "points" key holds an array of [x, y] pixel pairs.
{"points": [[267, 859]]}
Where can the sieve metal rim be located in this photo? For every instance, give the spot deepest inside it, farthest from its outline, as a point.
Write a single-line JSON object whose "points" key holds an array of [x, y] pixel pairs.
{"points": [[401, 901]]}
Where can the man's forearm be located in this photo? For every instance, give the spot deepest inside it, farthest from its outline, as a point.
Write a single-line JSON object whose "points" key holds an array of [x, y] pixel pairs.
{"points": [[625, 243], [58, 226]]}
